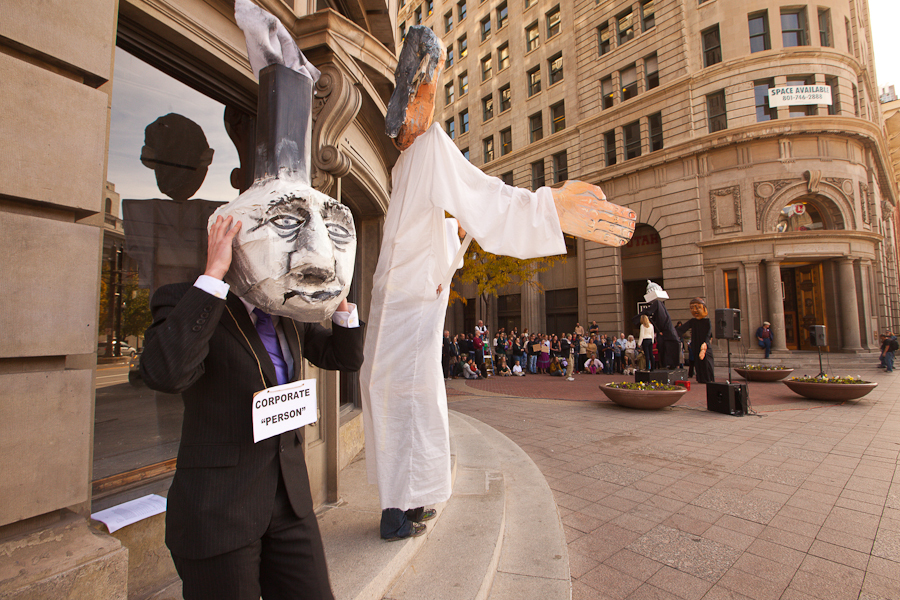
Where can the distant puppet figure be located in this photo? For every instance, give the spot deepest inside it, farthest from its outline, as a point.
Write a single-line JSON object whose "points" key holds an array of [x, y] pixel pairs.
{"points": [[659, 316], [701, 335]]}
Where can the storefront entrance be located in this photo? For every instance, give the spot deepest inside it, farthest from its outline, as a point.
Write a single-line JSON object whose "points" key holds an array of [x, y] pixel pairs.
{"points": [[641, 260], [804, 303]]}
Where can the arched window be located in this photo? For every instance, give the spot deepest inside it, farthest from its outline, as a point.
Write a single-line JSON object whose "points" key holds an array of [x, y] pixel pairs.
{"points": [[800, 215]]}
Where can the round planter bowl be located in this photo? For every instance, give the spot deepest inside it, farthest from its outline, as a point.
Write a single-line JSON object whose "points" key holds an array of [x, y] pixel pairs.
{"points": [[644, 399], [763, 374], [830, 391]]}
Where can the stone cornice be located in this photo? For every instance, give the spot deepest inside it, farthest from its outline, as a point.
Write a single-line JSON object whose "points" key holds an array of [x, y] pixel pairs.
{"points": [[828, 235]]}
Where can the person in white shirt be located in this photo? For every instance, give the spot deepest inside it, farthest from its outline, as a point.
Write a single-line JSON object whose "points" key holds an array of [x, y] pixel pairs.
{"points": [[517, 370], [646, 340]]}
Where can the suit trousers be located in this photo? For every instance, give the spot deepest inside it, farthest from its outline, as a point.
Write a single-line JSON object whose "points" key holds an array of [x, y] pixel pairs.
{"points": [[287, 563]]}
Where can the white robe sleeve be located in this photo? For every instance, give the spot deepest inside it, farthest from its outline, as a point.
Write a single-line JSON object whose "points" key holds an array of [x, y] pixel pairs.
{"points": [[505, 220]]}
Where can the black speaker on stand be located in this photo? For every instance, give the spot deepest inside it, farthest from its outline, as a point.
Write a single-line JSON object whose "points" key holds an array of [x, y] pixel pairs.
{"points": [[728, 398], [818, 339]]}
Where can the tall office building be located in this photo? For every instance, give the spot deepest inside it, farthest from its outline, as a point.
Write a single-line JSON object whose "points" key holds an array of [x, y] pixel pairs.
{"points": [[783, 208]]}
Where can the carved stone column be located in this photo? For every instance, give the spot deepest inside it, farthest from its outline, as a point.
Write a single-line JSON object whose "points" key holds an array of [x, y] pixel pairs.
{"points": [[849, 305], [776, 305]]}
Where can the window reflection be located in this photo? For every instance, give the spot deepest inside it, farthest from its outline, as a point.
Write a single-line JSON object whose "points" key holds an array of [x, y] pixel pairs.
{"points": [[170, 165]]}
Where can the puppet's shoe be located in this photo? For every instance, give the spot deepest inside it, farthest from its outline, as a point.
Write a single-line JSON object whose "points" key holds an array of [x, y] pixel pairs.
{"points": [[416, 529]]}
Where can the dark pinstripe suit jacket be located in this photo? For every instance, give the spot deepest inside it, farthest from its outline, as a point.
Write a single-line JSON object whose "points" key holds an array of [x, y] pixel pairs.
{"points": [[222, 495]]}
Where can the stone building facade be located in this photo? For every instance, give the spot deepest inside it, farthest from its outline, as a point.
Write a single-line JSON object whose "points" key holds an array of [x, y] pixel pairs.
{"points": [[788, 213], [82, 81]]}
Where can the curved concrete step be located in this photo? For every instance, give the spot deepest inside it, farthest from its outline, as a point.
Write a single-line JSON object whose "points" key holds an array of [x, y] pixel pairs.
{"points": [[498, 537]]}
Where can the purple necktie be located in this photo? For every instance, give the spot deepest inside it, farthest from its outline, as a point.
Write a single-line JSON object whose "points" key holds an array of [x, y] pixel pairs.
{"points": [[266, 330]]}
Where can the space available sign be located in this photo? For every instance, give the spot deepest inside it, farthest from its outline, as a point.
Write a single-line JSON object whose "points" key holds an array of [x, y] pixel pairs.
{"points": [[799, 94]]}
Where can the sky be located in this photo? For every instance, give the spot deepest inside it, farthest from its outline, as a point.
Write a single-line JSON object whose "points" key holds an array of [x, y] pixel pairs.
{"points": [[885, 17]]}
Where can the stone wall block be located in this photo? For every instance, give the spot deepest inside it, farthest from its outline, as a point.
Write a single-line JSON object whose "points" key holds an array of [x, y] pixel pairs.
{"points": [[45, 442], [80, 34], [53, 136], [53, 284]]}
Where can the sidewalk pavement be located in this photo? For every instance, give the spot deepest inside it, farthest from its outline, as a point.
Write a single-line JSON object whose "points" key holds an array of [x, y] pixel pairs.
{"points": [[798, 502]]}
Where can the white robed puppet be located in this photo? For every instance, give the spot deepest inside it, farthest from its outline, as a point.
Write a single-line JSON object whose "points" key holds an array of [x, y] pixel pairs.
{"points": [[402, 384]]}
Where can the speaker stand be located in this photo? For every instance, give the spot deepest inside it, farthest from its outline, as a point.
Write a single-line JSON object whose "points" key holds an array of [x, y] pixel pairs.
{"points": [[728, 345], [821, 370]]}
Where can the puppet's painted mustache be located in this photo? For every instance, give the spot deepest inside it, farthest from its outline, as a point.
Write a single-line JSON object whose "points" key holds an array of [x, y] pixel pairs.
{"points": [[314, 296]]}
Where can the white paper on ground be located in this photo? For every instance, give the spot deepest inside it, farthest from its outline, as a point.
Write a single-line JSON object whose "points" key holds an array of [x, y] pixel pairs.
{"points": [[117, 517]]}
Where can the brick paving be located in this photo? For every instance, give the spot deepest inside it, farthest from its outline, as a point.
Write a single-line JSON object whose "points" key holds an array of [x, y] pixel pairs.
{"points": [[798, 502]]}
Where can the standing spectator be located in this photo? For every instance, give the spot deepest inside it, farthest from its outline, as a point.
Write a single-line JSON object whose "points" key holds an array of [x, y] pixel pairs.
{"points": [[564, 347], [594, 329], [582, 352], [478, 345], [888, 347], [630, 351], [593, 347], [544, 358], [579, 330], [455, 367], [446, 353], [480, 329], [619, 354], [646, 340], [764, 337], [534, 350], [609, 351], [555, 347]]}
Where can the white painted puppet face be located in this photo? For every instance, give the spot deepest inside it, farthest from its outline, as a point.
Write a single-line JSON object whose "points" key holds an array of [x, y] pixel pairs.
{"points": [[296, 251]]}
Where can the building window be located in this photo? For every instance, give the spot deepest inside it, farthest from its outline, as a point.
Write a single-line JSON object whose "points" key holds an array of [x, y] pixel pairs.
{"points": [[448, 21], [609, 143], [835, 107], [849, 35], [553, 22], [855, 100], [488, 148], [560, 167], [761, 99], [628, 79], [449, 55], [463, 45], [604, 37], [532, 37], [402, 3], [465, 153], [505, 98], [486, 28], [487, 107], [505, 141], [712, 46], [759, 31], [507, 178], [534, 81], [801, 110], [464, 122], [825, 37], [648, 14], [732, 296], [502, 15], [461, 10], [651, 71], [430, 8], [715, 111], [632, 133], [537, 175], [556, 68], [448, 93], [530, 3], [557, 117], [503, 57], [536, 126], [418, 15], [486, 68], [464, 83], [607, 92], [625, 26], [793, 27], [450, 127], [656, 131]]}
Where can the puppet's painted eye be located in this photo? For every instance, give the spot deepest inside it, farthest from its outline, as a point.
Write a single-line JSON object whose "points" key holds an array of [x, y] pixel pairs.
{"points": [[286, 222], [339, 234]]}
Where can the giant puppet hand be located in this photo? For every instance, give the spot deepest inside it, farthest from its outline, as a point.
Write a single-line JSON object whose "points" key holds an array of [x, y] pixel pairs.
{"points": [[584, 212]]}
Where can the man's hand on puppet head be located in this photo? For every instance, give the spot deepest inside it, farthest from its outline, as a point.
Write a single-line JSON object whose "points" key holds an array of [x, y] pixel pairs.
{"points": [[584, 212], [218, 254]]}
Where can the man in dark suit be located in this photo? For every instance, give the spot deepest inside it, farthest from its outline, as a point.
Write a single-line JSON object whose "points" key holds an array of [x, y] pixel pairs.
{"points": [[240, 521]]}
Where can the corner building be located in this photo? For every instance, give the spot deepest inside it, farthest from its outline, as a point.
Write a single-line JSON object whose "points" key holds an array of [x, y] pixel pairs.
{"points": [[787, 213]]}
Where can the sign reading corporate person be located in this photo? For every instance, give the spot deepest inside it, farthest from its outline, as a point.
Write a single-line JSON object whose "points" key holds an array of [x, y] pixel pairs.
{"points": [[284, 407], [799, 94]]}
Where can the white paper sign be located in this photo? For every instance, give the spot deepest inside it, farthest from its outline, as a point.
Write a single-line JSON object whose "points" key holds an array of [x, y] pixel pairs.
{"points": [[284, 407], [117, 517], [800, 94]]}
